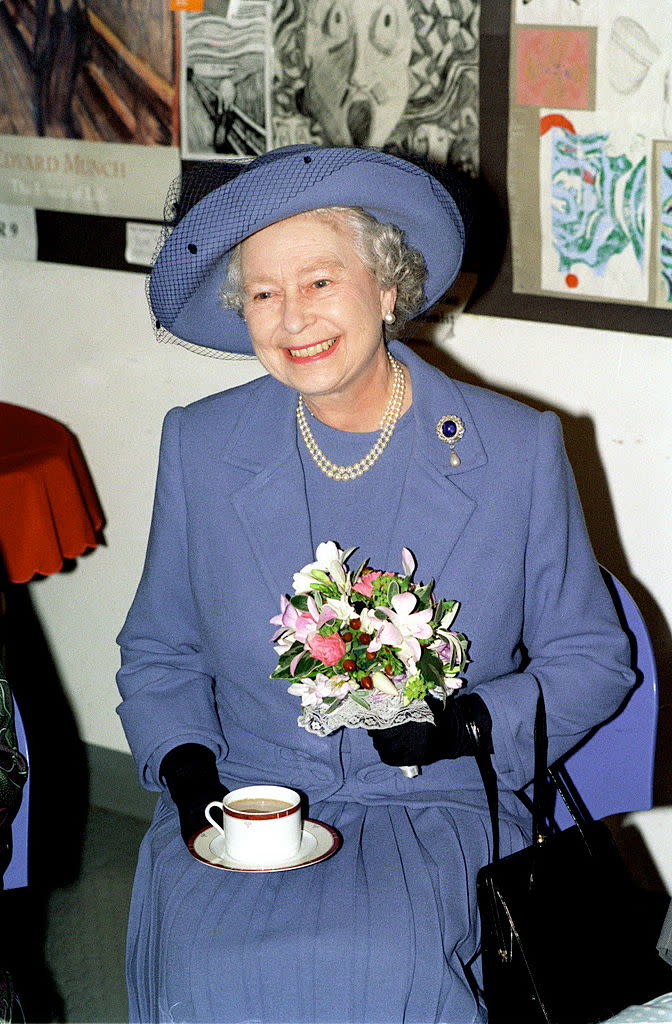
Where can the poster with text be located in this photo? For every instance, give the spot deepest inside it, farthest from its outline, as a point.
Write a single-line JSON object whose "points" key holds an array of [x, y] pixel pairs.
{"points": [[88, 112]]}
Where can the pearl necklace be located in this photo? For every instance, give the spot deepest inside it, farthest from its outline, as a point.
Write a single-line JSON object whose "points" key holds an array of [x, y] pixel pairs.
{"points": [[388, 423]]}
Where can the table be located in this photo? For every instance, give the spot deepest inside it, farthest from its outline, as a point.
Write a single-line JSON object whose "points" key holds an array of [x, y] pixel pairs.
{"points": [[49, 510]]}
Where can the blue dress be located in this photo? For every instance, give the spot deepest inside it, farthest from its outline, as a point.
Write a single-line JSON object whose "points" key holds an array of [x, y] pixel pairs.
{"points": [[385, 931]]}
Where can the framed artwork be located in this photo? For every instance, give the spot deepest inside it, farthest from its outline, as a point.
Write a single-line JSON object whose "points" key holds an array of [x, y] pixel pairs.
{"points": [[576, 158], [226, 66], [88, 105], [403, 74]]}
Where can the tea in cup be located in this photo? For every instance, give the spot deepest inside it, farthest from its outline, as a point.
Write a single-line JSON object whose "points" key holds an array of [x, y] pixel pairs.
{"points": [[262, 824]]}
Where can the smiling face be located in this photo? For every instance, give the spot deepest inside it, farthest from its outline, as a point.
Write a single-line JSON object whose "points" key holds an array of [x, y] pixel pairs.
{"points": [[314, 312]]}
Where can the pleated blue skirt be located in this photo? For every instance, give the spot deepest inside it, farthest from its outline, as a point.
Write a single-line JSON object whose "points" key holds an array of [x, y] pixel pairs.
{"points": [[384, 932]]}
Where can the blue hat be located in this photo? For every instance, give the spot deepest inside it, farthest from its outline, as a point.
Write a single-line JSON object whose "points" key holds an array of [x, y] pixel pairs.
{"points": [[190, 268]]}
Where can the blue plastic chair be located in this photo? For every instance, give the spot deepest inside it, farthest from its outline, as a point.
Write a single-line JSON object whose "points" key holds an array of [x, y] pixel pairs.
{"points": [[16, 875], [613, 769]]}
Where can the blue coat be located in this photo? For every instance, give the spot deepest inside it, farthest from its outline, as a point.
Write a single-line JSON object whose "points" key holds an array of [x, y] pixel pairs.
{"points": [[503, 533]]}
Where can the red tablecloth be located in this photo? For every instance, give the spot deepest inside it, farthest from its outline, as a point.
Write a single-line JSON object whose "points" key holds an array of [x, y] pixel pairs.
{"points": [[49, 510]]}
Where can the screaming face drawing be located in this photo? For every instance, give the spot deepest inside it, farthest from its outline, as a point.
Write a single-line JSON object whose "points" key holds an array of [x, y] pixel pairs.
{"points": [[357, 54]]}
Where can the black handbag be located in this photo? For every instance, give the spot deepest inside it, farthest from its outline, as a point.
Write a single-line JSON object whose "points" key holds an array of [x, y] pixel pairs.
{"points": [[567, 936]]}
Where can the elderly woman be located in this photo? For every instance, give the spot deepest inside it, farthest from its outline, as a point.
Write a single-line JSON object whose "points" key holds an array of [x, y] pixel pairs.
{"points": [[307, 258]]}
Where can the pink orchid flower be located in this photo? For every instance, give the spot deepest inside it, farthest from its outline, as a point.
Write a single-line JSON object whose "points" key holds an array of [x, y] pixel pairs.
{"points": [[406, 627], [277, 619], [298, 625]]}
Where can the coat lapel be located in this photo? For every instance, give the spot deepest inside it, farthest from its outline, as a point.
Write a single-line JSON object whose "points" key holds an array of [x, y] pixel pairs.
{"points": [[271, 504], [433, 508]]}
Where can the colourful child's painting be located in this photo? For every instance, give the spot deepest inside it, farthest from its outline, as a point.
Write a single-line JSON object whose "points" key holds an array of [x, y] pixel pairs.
{"points": [[553, 67], [594, 203], [666, 222]]}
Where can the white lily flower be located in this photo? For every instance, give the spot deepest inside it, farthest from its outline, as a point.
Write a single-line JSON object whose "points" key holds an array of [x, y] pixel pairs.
{"points": [[304, 581], [341, 686], [341, 608], [409, 655], [311, 691], [283, 643], [447, 620], [370, 622], [340, 577], [328, 551], [329, 559]]}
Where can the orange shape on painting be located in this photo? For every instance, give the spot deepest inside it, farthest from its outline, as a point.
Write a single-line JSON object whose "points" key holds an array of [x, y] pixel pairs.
{"points": [[186, 5], [572, 281], [555, 121], [553, 67]]}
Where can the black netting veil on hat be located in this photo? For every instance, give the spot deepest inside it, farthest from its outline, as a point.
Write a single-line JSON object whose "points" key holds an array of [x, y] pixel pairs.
{"points": [[194, 183], [207, 215]]}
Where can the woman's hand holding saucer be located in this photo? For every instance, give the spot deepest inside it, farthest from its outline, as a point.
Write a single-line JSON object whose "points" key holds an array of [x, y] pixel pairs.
{"points": [[190, 772]]}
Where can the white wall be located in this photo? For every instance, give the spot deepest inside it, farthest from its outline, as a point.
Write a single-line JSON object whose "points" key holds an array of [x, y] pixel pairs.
{"points": [[77, 345]]}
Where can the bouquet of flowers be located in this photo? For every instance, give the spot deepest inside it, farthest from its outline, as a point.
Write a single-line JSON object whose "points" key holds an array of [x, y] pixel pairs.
{"points": [[362, 649]]}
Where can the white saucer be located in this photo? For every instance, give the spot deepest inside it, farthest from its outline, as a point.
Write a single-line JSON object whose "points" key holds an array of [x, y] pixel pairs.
{"points": [[319, 842]]}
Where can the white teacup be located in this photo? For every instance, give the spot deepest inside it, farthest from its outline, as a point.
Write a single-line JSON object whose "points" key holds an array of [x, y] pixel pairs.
{"points": [[262, 824]]}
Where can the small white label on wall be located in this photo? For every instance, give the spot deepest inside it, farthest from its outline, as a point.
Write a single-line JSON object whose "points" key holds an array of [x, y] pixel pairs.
{"points": [[141, 242], [18, 232]]}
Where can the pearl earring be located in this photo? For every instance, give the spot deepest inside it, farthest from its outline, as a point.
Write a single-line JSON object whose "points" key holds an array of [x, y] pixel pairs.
{"points": [[389, 318]]}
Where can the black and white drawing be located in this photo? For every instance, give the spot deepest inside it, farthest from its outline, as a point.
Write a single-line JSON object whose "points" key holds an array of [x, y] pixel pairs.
{"points": [[226, 61], [395, 73]]}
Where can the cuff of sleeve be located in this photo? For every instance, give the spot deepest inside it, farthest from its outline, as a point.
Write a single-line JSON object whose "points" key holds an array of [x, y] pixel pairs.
{"points": [[149, 771], [511, 701]]}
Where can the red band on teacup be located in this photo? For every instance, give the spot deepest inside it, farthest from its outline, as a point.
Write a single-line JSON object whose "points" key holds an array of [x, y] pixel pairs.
{"points": [[264, 816]]}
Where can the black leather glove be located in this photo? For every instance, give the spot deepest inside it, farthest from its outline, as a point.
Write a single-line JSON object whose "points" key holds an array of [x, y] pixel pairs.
{"points": [[190, 772], [461, 728]]}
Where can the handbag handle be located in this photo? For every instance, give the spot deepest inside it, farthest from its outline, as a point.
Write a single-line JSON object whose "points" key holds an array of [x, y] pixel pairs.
{"points": [[489, 777], [539, 829], [543, 774], [555, 774]]}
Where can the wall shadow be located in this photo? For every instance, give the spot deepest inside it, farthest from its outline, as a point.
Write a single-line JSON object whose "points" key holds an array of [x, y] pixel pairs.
{"points": [[598, 507], [59, 787]]}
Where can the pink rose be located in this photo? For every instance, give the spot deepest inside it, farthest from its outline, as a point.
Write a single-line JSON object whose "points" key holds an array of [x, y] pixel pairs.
{"points": [[365, 581], [327, 649]]}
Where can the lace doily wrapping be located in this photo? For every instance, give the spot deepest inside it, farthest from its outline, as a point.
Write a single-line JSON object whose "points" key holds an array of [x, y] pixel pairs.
{"points": [[386, 711]]}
